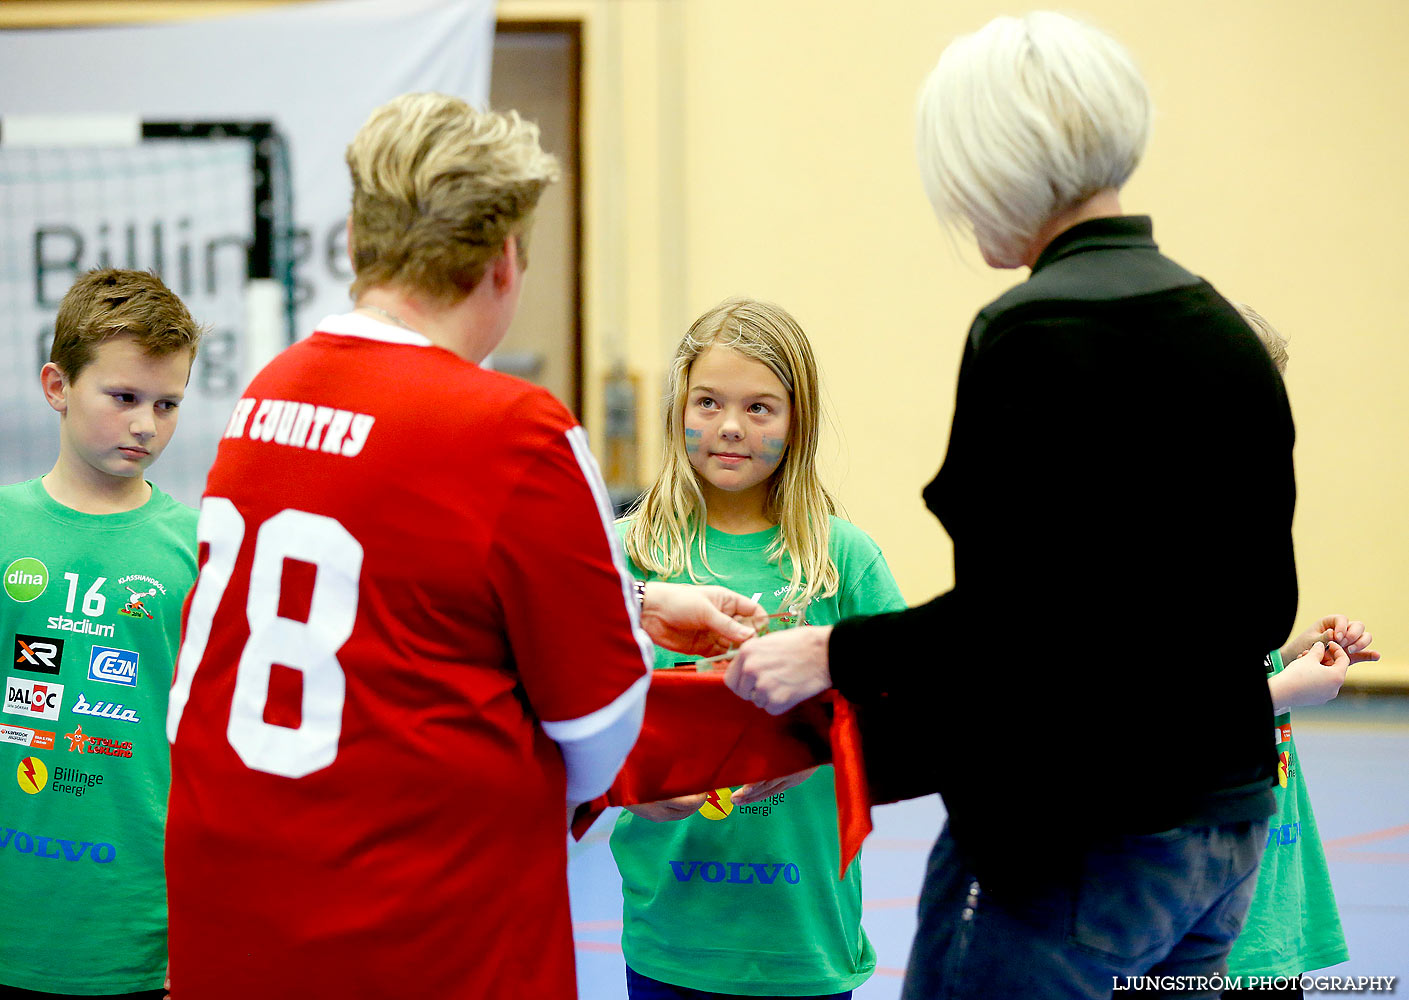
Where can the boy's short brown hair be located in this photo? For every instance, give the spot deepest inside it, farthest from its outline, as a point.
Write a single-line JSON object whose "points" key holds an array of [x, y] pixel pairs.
{"points": [[437, 187], [109, 301]]}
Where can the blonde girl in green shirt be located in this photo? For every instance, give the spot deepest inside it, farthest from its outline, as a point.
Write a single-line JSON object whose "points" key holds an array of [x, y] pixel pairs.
{"points": [[735, 892]]}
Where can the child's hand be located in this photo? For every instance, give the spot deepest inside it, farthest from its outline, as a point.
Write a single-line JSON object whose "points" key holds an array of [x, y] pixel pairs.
{"points": [[1356, 643], [760, 790], [1313, 678], [1349, 635], [670, 810]]}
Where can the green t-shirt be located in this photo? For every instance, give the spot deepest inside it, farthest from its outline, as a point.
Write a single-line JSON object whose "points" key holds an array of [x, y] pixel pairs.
{"points": [[91, 617], [750, 903], [1292, 925]]}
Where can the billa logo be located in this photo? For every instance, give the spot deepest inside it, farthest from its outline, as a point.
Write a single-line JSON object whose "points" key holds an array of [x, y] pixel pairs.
{"points": [[38, 653], [32, 775], [25, 579], [718, 804]]}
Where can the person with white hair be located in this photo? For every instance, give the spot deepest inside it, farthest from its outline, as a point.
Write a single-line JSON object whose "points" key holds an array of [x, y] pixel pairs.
{"points": [[1119, 490]]}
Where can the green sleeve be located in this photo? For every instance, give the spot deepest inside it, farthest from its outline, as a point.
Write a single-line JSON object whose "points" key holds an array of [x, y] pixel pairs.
{"points": [[867, 586]]}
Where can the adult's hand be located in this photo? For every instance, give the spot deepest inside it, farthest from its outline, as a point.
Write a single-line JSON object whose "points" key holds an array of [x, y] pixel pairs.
{"points": [[701, 621], [670, 810], [781, 669], [760, 790]]}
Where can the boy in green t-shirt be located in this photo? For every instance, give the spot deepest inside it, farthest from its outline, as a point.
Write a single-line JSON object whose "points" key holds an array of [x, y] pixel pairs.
{"points": [[1292, 925], [96, 563]]}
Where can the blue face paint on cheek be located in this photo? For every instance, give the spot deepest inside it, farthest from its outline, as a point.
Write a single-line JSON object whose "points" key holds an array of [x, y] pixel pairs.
{"points": [[772, 452], [692, 441]]}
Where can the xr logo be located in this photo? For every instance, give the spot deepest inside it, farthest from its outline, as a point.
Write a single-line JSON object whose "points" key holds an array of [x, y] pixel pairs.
{"points": [[38, 653]]}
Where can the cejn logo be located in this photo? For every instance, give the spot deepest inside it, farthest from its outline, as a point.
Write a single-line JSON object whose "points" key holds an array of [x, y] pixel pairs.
{"points": [[33, 698], [25, 579], [113, 666], [38, 653]]}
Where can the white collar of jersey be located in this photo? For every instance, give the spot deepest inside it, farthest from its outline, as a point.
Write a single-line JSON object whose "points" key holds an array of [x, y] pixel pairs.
{"points": [[371, 328]]}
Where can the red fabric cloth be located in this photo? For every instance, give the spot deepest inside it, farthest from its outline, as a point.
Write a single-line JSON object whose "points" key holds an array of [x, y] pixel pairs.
{"points": [[698, 735]]}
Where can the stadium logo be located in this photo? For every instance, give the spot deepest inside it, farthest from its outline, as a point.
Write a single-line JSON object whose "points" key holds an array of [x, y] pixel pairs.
{"points": [[26, 737], [27, 697], [38, 654], [113, 666], [62, 623], [25, 579], [32, 775], [104, 710]]}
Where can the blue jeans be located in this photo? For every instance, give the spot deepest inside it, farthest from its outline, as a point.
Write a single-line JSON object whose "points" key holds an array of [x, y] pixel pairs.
{"points": [[639, 987], [1164, 904]]}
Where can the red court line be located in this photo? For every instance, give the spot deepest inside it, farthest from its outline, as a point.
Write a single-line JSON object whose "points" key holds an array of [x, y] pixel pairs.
{"points": [[1366, 838], [1369, 857], [596, 925], [608, 946]]}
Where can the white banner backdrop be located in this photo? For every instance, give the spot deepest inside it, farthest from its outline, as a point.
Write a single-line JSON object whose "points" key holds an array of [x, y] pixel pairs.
{"points": [[315, 70]]}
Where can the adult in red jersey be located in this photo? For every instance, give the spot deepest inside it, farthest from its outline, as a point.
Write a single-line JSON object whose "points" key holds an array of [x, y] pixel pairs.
{"points": [[412, 639]]}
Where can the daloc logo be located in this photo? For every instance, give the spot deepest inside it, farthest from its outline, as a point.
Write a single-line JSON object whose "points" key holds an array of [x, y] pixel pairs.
{"points": [[27, 697], [113, 666]]}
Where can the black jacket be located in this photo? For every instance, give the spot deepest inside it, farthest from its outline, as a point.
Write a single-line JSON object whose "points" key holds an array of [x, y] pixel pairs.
{"points": [[1119, 491]]}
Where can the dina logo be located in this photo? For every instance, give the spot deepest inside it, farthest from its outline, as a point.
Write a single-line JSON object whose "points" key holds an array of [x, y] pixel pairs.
{"points": [[25, 579], [113, 666], [38, 653]]}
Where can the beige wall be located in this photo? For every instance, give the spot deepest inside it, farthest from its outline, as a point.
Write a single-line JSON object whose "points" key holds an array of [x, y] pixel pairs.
{"points": [[765, 147], [737, 146]]}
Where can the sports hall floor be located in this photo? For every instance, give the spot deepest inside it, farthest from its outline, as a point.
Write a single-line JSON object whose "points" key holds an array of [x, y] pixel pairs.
{"points": [[1354, 754]]}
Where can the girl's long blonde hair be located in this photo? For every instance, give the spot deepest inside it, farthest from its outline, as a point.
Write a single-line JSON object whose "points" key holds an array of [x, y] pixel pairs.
{"points": [[666, 532]]}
